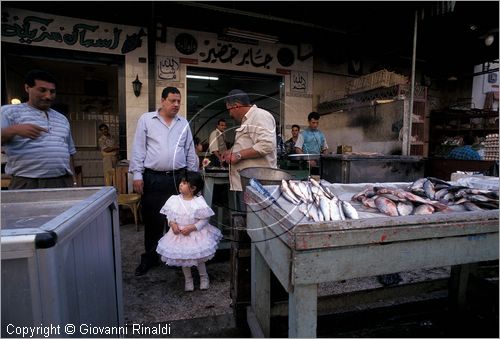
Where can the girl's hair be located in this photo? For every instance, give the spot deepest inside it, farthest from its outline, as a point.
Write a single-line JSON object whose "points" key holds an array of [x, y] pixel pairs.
{"points": [[194, 179]]}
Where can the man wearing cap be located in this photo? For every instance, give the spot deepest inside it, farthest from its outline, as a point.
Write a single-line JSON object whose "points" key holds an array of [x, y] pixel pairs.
{"points": [[254, 141]]}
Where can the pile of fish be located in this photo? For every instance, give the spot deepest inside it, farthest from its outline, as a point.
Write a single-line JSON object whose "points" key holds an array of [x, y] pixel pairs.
{"points": [[426, 196], [316, 201]]}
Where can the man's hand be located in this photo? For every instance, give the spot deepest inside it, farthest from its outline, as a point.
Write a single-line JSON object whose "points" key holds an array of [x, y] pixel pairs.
{"points": [[30, 131], [313, 163], [138, 186], [226, 156], [188, 229], [229, 157]]}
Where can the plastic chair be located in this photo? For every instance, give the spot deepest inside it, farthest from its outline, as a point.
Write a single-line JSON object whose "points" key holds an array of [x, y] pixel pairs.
{"points": [[131, 200]]}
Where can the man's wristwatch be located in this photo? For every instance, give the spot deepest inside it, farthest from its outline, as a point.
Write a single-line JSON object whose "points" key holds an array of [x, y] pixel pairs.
{"points": [[238, 155]]}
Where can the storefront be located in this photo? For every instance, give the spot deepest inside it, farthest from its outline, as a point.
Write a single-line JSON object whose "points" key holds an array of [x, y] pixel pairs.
{"points": [[96, 64]]}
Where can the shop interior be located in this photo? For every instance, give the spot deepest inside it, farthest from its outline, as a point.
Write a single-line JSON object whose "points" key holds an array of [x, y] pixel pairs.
{"points": [[206, 89]]}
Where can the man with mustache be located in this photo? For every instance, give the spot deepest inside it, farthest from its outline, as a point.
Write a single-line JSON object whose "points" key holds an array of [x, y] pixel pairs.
{"points": [[254, 141], [37, 139], [163, 150]]}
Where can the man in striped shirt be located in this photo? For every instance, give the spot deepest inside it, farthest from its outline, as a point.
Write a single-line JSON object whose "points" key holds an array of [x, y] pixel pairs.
{"points": [[37, 139]]}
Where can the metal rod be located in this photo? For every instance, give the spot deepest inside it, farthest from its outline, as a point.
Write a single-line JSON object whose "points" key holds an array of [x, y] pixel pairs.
{"points": [[412, 85]]}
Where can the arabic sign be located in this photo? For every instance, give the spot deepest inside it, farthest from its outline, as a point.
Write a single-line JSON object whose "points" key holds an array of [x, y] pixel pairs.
{"points": [[212, 51], [186, 44], [167, 68], [243, 56], [298, 82], [25, 27]]}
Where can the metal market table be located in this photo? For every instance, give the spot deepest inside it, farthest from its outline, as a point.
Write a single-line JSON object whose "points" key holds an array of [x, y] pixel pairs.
{"points": [[303, 254]]}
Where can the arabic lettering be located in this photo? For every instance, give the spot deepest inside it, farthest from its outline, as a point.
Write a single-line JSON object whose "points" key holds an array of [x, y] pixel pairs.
{"points": [[299, 81], [24, 31], [168, 68], [133, 41], [250, 58], [227, 53], [36, 29]]}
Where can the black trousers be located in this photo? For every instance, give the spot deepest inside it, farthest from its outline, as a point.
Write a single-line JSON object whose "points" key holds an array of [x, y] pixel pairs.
{"points": [[34, 183], [157, 189]]}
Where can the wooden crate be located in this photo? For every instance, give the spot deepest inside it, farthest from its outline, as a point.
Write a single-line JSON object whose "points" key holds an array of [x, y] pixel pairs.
{"points": [[238, 233], [382, 78], [239, 287]]}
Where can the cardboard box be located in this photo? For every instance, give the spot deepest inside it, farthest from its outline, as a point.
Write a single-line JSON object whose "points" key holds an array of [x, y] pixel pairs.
{"points": [[342, 149]]}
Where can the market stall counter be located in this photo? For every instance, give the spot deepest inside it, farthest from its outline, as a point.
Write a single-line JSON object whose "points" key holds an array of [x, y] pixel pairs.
{"points": [[303, 253], [357, 168]]}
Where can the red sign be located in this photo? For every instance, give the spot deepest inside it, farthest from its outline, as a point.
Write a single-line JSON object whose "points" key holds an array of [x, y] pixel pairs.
{"points": [[188, 61], [283, 71]]}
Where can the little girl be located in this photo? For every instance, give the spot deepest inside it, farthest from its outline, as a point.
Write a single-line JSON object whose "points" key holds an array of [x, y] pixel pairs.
{"points": [[191, 240]]}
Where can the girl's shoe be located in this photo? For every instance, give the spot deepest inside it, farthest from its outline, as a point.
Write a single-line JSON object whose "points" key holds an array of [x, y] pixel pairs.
{"points": [[189, 285], [204, 282]]}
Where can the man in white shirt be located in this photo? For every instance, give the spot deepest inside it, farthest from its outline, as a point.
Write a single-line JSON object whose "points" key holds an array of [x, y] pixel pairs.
{"points": [[217, 142], [163, 150], [254, 142]]}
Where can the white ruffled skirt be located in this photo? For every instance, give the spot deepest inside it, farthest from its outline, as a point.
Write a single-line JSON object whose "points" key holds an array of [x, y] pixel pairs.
{"points": [[187, 251]]}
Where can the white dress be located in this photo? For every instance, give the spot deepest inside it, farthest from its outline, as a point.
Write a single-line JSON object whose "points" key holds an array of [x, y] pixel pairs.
{"points": [[199, 245]]}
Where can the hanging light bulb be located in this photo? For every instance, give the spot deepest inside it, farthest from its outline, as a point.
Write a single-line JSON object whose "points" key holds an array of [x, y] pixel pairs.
{"points": [[489, 40]]}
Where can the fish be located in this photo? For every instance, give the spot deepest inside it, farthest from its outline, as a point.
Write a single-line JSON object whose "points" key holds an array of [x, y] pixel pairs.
{"points": [[438, 181], [441, 194], [423, 209], [417, 184], [429, 189], [487, 193], [304, 209], [349, 210], [287, 193], [327, 190], [470, 206], [254, 183], [341, 210], [316, 187], [415, 198], [386, 206], [369, 202], [317, 191], [449, 197], [481, 198], [324, 206], [296, 190], [404, 207], [307, 194], [457, 208], [363, 194], [308, 187], [334, 210], [392, 197], [314, 212], [486, 205]]}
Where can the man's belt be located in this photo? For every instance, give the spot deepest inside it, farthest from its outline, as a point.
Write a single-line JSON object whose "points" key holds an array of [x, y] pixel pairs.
{"points": [[180, 171]]}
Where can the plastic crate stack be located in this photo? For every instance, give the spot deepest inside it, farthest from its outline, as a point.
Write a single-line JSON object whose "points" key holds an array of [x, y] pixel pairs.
{"points": [[491, 147], [382, 78]]}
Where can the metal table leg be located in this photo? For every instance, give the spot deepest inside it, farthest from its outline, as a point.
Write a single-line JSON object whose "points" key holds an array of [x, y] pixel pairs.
{"points": [[302, 311]]}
